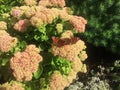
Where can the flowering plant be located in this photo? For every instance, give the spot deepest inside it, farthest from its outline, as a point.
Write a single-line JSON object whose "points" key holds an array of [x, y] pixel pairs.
{"points": [[39, 49]]}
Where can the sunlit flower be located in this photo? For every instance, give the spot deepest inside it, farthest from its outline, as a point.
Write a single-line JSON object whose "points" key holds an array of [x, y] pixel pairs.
{"points": [[67, 34], [5, 15], [35, 21], [12, 86], [68, 10], [60, 3], [45, 16], [71, 76], [78, 22], [77, 65], [16, 12], [39, 8], [84, 68], [45, 3], [32, 48], [30, 12], [64, 15], [55, 12], [41, 16], [6, 42], [57, 3], [57, 81], [59, 27], [30, 2], [24, 64], [24, 8], [69, 51], [49, 14], [83, 55], [3, 32]]}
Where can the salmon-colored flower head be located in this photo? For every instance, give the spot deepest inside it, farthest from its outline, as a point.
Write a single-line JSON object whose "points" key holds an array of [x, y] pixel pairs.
{"points": [[57, 81], [13, 85], [79, 23], [6, 41], [24, 64], [21, 25], [45, 16], [16, 12], [68, 47]]}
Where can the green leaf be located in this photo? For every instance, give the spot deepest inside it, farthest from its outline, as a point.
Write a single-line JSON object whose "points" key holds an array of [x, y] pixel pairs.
{"points": [[38, 73], [116, 77], [36, 37], [4, 61], [61, 64], [118, 88], [42, 29]]}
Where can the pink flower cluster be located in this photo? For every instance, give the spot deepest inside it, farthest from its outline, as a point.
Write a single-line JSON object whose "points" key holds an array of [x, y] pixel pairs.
{"points": [[78, 22], [16, 12], [22, 25], [44, 16], [58, 3], [25, 11], [24, 64], [40, 14], [12, 86], [6, 41], [37, 15]]}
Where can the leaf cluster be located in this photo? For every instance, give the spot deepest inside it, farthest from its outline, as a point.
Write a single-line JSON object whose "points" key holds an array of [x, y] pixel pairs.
{"points": [[6, 5], [62, 65]]}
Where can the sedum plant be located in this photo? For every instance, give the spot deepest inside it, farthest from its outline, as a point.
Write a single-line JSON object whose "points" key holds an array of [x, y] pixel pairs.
{"points": [[103, 21], [39, 49]]}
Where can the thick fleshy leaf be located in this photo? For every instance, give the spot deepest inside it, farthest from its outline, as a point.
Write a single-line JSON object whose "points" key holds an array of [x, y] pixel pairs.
{"points": [[38, 73]]}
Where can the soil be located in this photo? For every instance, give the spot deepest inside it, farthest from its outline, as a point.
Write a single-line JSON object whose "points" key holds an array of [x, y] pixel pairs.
{"points": [[99, 55]]}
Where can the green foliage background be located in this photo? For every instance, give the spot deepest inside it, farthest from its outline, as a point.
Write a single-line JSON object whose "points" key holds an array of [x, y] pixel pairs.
{"points": [[103, 16], [6, 5]]}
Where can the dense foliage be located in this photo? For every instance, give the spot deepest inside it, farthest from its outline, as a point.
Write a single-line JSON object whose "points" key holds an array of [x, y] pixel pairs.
{"points": [[103, 16], [38, 46], [6, 5]]}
